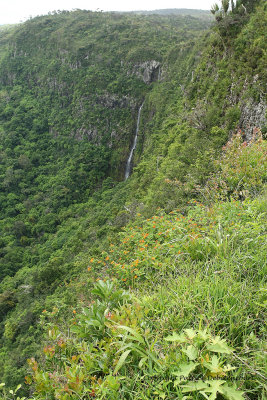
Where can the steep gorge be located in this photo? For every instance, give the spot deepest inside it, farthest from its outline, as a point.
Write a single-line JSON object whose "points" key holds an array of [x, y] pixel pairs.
{"points": [[70, 95]]}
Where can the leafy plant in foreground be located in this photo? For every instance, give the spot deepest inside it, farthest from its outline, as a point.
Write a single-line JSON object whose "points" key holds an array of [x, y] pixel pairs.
{"points": [[203, 364], [11, 394], [100, 355]]}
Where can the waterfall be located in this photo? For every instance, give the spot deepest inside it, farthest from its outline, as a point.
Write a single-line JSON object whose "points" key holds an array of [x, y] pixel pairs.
{"points": [[129, 161], [159, 75]]}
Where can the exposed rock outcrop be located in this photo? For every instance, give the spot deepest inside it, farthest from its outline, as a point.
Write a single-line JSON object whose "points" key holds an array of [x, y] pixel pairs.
{"points": [[91, 133], [252, 112], [109, 100], [148, 71], [253, 115]]}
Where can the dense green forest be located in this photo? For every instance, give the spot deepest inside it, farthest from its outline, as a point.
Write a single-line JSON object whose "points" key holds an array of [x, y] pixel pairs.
{"points": [[153, 287], [205, 14]]}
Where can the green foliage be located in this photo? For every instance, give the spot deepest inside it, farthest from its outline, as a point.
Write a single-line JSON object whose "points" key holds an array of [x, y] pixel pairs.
{"points": [[101, 366], [12, 394], [203, 265], [242, 172], [70, 88], [231, 16], [62, 137]]}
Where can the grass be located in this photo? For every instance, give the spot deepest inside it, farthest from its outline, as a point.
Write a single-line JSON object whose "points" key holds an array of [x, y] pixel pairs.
{"points": [[173, 309], [203, 271]]}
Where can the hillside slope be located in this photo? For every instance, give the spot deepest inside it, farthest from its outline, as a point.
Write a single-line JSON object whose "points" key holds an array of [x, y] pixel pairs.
{"points": [[173, 306], [71, 86], [65, 138]]}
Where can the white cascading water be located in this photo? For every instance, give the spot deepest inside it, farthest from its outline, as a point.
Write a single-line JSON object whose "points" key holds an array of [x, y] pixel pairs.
{"points": [[129, 161]]}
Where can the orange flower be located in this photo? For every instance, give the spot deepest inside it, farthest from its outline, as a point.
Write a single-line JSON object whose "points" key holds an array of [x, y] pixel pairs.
{"points": [[107, 258], [92, 260], [28, 380], [135, 277]]}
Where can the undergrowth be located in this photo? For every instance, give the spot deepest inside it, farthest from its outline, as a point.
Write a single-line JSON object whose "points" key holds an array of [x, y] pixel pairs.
{"points": [[175, 308]]}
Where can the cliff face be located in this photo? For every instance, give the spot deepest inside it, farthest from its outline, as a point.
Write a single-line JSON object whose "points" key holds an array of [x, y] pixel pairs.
{"points": [[253, 116], [148, 71], [70, 88], [86, 73], [205, 98], [252, 111], [71, 85]]}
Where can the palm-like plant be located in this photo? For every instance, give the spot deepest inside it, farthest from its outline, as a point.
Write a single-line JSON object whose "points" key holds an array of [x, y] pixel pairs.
{"points": [[225, 6], [214, 9]]}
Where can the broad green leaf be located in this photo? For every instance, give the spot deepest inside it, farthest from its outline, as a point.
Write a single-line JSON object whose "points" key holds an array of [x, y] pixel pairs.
{"points": [[93, 322], [121, 361], [133, 346], [213, 365], [176, 338], [203, 335], [190, 333], [228, 368], [17, 388], [219, 345], [137, 336], [213, 389], [194, 386], [185, 369], [191, 352], [231, 393]]}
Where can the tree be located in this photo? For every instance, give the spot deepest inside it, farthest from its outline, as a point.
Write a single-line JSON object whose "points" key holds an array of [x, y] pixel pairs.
{"points": [[214, 9], [225, 6]]}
